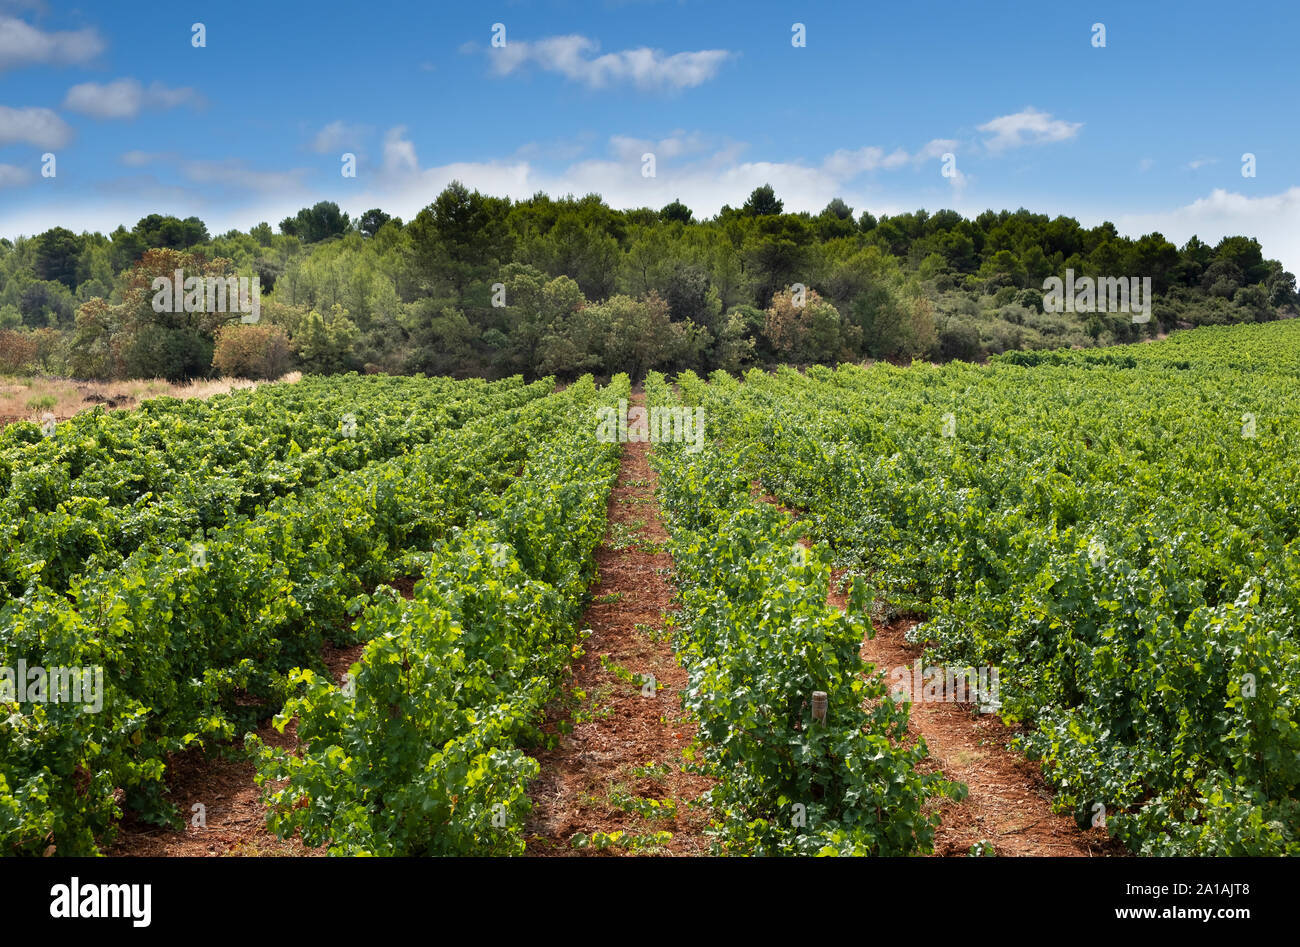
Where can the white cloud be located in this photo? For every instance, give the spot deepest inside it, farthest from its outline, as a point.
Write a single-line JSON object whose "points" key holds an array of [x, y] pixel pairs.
{"points": [[1272, 219], [1027, 127], [13, 176], [676, 145], [574, 57], [22, 44], [125, 98], [33, 126], [338, 136], [936, 148], [399, 154], [1200, 163], [848, 164], [235, 173]]}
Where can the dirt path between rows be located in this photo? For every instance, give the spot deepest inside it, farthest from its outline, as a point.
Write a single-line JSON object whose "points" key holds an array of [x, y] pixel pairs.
{"points": [[1009, 803], [624, 753], [232, 820]]}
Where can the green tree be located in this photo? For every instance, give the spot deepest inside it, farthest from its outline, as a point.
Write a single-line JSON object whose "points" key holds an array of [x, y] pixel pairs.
{"points": [[762, 202], [57, 251], [324, 342], [321, 221], [371, 221], [676, 211]]}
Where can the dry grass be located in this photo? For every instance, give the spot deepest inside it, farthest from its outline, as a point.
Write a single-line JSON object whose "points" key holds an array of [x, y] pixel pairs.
{"points": [[63, 397]]}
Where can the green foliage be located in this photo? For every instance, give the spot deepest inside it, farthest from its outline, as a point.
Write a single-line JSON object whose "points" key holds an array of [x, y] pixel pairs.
{"points": [[317, 223], [422, 757], [757, 640], [324, 342], [762, 202], [198, 642], [425, 296], [1115, 531], [600, 841]]}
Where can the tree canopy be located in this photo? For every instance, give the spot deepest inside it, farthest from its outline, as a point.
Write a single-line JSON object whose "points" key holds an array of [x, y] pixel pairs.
{"points": [[477, 284]]}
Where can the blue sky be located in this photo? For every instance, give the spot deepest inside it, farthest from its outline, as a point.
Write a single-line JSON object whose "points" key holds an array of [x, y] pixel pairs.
{"points": [[1148, 131]]}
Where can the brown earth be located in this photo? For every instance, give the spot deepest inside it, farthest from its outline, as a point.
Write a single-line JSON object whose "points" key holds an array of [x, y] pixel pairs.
{"points": [[1009, 803], [623, 745], [223, 784]]}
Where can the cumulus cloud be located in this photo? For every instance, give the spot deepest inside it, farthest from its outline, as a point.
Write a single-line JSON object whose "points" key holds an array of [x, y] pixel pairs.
{"points": [[1269, 218], [1028, 127], [576, 58], [33, 126], [125, 98], [399, 154], [22, 44], [936, 148], [676, 145], [846, 163]]}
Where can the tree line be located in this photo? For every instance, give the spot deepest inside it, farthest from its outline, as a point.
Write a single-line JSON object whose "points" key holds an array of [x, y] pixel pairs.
{"points": [[483, 285]]}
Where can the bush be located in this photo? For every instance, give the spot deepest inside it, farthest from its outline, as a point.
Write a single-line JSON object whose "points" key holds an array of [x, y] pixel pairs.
{"points": [[324, 341], [17, 352], [251, 351], [960, 340], [158, 351], [1030, 299], [807, 330]]}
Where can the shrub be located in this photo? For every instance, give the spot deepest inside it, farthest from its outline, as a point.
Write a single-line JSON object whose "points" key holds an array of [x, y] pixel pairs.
{"points": [[159, 351], [960, 340], [810, 331], [17, 352], [251, 351]]}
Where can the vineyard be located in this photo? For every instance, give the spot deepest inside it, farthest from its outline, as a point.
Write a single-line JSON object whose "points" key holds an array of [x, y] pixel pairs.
{"points": [[200, 554], [1115, 532]]}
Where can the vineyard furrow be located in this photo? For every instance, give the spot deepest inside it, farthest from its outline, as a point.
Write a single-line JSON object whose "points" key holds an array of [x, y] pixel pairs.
{"points": [[617, 781]]}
